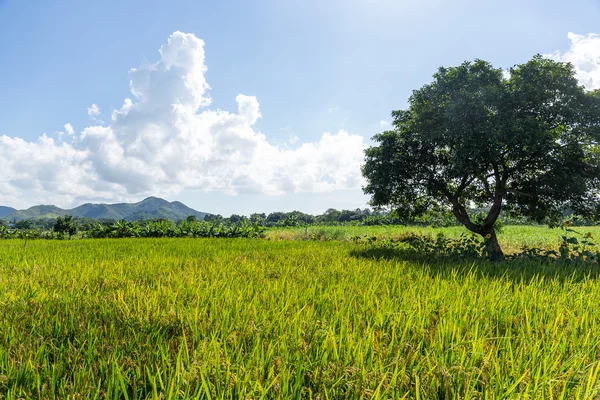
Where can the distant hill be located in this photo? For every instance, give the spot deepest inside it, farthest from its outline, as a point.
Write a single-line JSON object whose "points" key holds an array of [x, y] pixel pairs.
{"points": [[36, 212], [150, 208], [4, 211]]}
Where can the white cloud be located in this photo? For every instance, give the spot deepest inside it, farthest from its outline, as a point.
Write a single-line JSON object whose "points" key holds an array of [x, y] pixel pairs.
{"points": [[69, 129], [93, 110], [584, 54], [166, 139], [384, 124], [293, 139]]}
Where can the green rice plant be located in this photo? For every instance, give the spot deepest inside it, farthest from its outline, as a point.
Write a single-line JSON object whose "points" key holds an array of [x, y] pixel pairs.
{"points": [[258, 319]]}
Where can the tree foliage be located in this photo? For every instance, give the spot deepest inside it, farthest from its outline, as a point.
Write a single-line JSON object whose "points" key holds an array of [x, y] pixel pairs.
{"points": [[64, 226], [527, 142]]}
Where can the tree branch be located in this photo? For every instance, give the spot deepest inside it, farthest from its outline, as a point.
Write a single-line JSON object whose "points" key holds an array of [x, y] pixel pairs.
{"points": [[499, 194], [460, 212], [466, 181]]}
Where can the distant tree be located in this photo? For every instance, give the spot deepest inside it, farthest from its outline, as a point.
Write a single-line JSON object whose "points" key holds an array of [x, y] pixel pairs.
{"points": [[24, 224], [188, 225], [527, 143], [236, 218], [65, 226], [213, 217], [155, 228], [345, 216], [331, 215], [85, 224], [123, 228], [45, 223], [300, 217], [275, 217], [258, 218]]}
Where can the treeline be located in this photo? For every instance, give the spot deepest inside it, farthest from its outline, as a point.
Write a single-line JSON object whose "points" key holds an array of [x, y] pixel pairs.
{"points": [[332, 216], [367, 217], [275, 219], [212, 226], [233, 226], [68, 227]]}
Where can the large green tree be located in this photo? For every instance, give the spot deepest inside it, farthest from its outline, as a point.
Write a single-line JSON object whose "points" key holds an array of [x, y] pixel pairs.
{"points": [[525, 141]]}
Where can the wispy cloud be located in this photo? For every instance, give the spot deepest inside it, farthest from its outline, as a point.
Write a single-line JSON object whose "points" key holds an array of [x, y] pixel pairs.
{"points": [[94, 113]]}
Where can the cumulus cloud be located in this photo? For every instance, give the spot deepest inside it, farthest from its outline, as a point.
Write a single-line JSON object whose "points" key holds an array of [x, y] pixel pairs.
{"points": [[93, 110], [584, 54], [165, 139], [384, 124], [69, 129]]}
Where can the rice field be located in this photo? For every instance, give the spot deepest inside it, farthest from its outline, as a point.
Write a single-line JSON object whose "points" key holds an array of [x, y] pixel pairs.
{"points": [[291, 319], [512, 238]]}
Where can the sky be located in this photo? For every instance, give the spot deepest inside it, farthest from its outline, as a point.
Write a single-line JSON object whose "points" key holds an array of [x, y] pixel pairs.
{"points": [[239, 106]]}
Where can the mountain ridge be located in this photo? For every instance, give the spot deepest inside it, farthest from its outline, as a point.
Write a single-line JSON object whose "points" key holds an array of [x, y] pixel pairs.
{"points": [[149, 208], [4, 211]]}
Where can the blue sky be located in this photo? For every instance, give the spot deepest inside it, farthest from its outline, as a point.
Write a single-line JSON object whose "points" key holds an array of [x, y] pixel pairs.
{"points": [[310, 67]]}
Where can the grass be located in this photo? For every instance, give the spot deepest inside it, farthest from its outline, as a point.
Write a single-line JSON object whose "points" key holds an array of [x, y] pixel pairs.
{"points": [[260, 319], [512, 238]]}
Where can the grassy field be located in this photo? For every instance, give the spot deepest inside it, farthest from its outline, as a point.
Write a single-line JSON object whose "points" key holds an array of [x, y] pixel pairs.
{"points": [[512, 238], [262, 319]]}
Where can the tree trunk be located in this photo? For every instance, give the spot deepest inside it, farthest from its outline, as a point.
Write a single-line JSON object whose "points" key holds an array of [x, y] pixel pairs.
{"points": [[493, 248], [486, 229]]}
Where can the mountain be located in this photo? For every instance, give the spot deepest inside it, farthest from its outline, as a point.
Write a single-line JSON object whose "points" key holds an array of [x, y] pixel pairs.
{"points": [[150, 208], [36, 212], [4, 211]]}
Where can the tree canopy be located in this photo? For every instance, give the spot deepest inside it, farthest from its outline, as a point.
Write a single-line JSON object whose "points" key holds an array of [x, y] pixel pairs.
{"points": [[65, 226], [526, 141]]}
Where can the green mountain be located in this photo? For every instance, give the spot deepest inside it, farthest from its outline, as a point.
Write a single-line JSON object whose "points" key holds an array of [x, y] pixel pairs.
{"points": [[4, 211], [36, 212], [150, 208]]}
